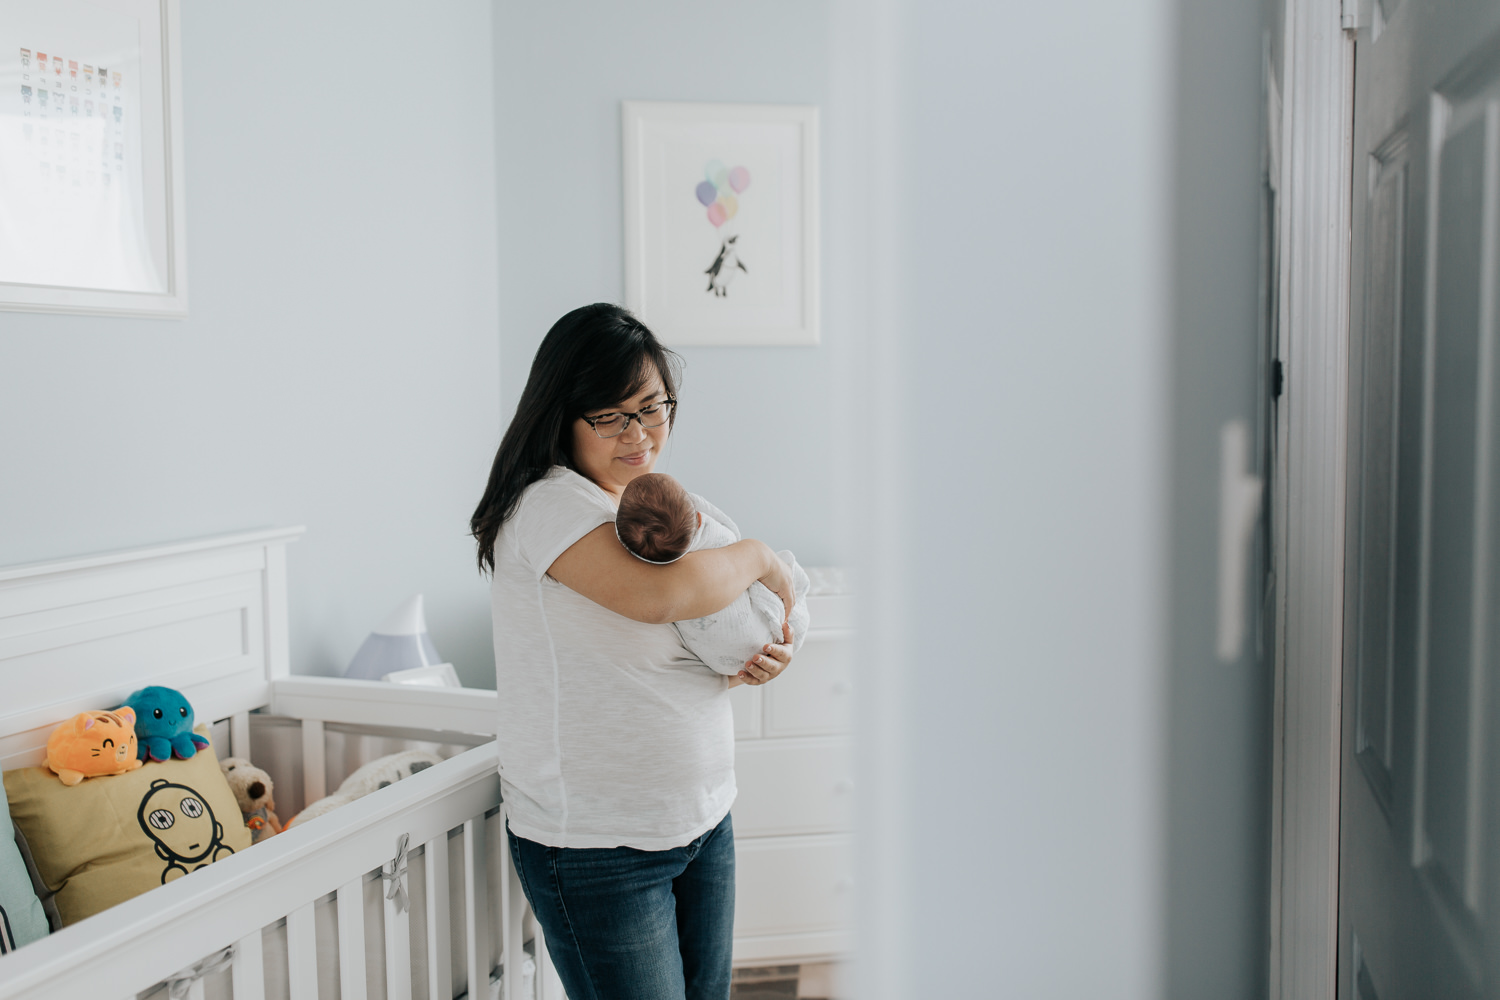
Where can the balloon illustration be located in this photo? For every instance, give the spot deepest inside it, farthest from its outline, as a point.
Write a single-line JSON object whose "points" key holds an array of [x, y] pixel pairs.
{"points": [[719, 193]]}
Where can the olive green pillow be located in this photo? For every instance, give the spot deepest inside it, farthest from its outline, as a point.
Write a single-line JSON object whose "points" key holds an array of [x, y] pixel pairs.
{"points": [[114, 837]]}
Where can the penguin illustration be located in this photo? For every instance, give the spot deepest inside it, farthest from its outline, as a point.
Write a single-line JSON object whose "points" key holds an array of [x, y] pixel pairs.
{"points": [[721, 271], [182, 825]]}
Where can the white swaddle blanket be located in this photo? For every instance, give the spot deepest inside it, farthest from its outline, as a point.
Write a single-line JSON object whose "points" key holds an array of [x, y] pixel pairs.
{"points": [[726, 639]]}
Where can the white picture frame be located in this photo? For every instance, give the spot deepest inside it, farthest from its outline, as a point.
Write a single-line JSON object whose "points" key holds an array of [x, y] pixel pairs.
{"points": [[685, 277], [91, 159]]}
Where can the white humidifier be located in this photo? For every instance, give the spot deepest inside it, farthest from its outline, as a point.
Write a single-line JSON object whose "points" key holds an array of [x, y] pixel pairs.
{"points": [[398, 644]]}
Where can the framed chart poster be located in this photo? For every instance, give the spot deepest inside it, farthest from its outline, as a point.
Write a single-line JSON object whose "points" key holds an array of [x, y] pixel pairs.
{"points": [[91, 202], [721, 222]]}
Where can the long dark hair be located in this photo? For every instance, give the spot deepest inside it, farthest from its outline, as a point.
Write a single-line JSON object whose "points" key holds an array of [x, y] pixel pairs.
{"points": [[595, 356]]}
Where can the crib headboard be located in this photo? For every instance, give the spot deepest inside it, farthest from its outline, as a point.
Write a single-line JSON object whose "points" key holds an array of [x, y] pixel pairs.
{"points": [[207, 617]]}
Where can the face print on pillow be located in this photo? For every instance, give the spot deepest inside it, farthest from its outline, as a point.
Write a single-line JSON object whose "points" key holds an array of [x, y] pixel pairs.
{"points": [[182, 825], [92, 744]]}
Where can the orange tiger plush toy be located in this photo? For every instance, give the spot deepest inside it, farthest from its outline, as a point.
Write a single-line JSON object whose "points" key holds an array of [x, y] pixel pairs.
{"points": [[92, 744]]}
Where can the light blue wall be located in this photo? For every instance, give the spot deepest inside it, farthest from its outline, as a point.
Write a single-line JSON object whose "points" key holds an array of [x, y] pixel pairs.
{"points": [[1070, 788], [338, 368], [754, 432], [1012, 651]]}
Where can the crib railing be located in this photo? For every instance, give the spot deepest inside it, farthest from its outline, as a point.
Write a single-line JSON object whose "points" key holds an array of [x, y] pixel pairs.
{"points": [[197, 925]]}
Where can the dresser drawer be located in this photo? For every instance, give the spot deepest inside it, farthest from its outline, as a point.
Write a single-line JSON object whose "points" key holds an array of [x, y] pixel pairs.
{"points": [[814, 695], [793, 786], [792, 885]]}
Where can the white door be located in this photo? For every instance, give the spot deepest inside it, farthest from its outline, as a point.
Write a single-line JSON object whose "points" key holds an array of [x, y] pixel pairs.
{"points": [[1419, 879]]}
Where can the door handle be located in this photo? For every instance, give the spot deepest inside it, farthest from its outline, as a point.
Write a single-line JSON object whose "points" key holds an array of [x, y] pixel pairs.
{"points": [[1239, 509]]}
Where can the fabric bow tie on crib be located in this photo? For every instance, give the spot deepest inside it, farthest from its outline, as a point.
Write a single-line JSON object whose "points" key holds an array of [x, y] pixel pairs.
{"points": [[181, 984], [395, 874]]}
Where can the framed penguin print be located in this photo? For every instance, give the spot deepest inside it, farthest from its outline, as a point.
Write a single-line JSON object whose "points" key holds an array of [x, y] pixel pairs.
{"points": [[721, 222]]}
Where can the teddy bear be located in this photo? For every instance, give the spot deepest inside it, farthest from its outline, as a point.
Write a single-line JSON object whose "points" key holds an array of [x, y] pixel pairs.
{"points": [[252, 790], [375, 775]]}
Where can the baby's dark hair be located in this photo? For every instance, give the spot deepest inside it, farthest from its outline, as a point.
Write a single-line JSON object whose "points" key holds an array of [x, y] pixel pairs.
{"points": [[656, 519]]}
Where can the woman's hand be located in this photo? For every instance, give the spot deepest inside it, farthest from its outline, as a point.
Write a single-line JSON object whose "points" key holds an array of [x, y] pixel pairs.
{"points": [[778, 580], [773, 659]]}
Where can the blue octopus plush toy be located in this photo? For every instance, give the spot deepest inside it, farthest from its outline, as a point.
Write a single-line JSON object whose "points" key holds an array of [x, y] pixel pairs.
{"points": [[164, 724]]}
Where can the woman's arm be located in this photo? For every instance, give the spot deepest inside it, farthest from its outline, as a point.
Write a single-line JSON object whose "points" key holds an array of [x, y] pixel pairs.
{"points": [[700, 583]]}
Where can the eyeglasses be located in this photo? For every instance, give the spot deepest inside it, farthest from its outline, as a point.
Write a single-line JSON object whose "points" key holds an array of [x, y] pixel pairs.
{"points": [[608, 425]]}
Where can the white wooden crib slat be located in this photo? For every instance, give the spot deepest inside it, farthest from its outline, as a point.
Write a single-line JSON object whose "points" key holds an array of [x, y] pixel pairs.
{"points": [[278, 642], [302, 953], [397, 945], [239, 735], [476, 908], [249, 970], [512, 917], [439, 964], [314, 765], [352, 940], [548, 986]]}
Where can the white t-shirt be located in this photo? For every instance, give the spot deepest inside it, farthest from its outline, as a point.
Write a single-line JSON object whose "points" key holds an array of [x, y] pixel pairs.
{"points": [[611, 734]]}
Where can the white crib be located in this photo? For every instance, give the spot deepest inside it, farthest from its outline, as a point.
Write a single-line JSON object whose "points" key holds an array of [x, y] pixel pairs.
{"points": [[308, 913]]}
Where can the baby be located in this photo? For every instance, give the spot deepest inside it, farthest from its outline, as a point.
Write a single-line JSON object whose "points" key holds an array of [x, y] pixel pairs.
{"points": [[660, 522]]}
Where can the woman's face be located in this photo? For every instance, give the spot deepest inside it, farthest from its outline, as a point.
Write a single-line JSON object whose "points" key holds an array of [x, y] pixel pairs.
{"points": [[614, 462]]}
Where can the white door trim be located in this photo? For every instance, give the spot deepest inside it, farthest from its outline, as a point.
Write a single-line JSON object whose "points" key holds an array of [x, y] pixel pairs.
{"points": [[1316, 169]]}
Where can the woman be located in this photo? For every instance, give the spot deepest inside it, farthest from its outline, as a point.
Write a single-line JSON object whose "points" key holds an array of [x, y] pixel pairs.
{"points": [[616, 744]]}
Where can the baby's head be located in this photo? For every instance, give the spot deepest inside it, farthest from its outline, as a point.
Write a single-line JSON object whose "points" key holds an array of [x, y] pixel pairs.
{"points": [[656, 520]]}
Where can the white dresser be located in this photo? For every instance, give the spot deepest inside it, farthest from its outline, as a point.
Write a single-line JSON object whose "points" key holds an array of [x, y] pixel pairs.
{"points": [[794, 765]]}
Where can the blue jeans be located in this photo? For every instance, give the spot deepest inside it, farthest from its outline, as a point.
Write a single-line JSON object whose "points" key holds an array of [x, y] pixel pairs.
{"points": [[623, 924]]}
